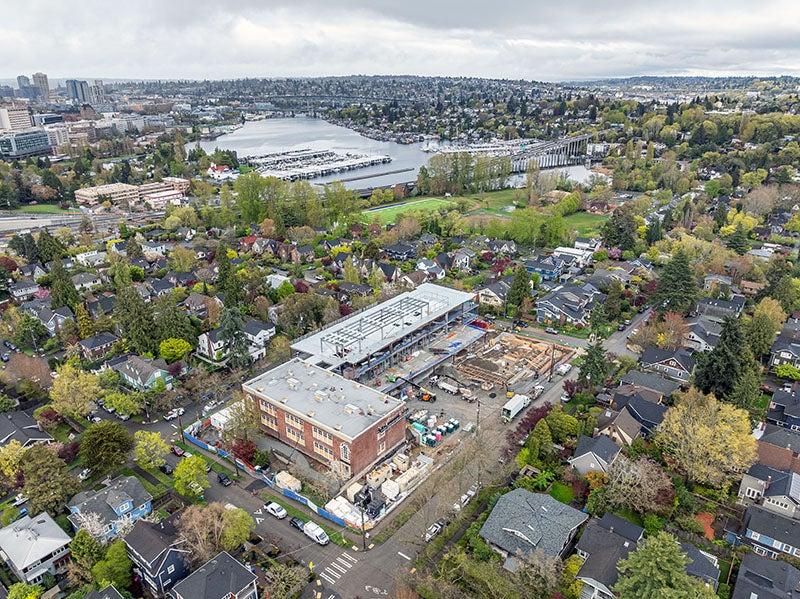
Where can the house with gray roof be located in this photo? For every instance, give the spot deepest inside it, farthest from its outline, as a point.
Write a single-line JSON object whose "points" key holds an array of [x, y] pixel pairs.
{"points": [[720, 309], [767, 533], [522, 522], [649, 380], [143, 373], [571, 304], [21, 427], [763, 578], [594, 454], [108, 592], [159, 554], [35, 547], [775, 490], [677, 364], [124, 499], [221, 577], [97, 346], [702, 333], [602, 545]]}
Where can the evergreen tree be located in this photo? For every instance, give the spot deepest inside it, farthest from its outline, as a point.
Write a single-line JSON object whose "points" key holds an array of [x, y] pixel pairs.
{"points": [[227, 282], [746, 391], [620, 230], [49, 247], [135, 318], [62, 290], [720, 216], [737, 241], [29, 248], [654, 232], [133, 249], [173, 323], [232, 335], [723, 368], [676, 290], [85, 324], [613, 303], [594, 368], [520, 287]]}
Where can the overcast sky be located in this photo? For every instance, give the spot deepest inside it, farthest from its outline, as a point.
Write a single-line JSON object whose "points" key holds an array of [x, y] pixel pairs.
{"points": [[530, 39]]}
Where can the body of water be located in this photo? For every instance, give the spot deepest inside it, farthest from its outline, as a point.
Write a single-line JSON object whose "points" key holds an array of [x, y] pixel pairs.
{"points": [[276, 135]]}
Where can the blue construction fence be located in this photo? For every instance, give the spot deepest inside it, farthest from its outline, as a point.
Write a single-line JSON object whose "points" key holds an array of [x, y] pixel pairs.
{"points": [[267, 479]]}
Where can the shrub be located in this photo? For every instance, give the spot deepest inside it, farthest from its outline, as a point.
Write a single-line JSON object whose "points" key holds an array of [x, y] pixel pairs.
{"points": [[653, 524]]}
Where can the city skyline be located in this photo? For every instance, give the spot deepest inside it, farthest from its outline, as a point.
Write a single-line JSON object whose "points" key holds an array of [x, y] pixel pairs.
{"points": [[535, 41]]}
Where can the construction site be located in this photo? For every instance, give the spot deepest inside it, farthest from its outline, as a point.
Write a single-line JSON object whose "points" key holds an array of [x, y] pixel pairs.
{"points": [[512, 363]]}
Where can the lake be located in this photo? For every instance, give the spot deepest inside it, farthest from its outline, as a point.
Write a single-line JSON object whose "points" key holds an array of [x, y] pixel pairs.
{"points": [[276, 135]]}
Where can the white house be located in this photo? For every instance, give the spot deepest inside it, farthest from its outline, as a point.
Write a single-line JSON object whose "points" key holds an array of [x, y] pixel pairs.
{"points": [[34, 547]]}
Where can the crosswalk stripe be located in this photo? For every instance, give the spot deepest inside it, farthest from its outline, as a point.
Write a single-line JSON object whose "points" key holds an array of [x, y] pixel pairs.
{"points": [[333, 573], [345, 563], [338, 568], [330, 580], [350, 557]]}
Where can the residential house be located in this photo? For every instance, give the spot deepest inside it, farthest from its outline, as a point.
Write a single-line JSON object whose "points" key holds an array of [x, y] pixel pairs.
{"points": [[784, 409], [35, 547], [98, 345], [779, 447], [108, 592], [67, 263], [102, 305], [391, 273], [159, 287], [750, 288], [677, 364], [154, 249], [605, 542], [23, 428], [355, 289], [123, 500], [51, 319], [570, 304], [143, 373], [212, 346], [655, 383], [702, 334], [92, 258], [637, 417], [400, 251], [763, 578], [23, 290], [718, 282], [767, 533], [548, 268], [786, 347], [221, 577], [588, 243], [775, 490], [462, 258], [159, 554], [502, 246], [494, 294], [581, 258], [522, 522], [32, 271], [84, 281], [431, 269], [413, 279], [720, 309], [594, 454]]}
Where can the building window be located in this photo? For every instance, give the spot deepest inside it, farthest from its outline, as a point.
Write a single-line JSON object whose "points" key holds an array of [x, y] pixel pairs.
{"points": [[382, 447], [322, 435], [751, 492], [294, 421], [755, 536], [344, 452], [381, 434], [268, 407], [323, 450], [295, 435], [269, 421]]}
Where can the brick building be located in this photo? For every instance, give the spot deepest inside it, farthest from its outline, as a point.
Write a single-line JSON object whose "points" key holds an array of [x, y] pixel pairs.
{"points": [[336, 421]]}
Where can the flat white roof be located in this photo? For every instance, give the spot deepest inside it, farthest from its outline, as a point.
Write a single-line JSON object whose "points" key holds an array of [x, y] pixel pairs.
{"points": [[339, 405], [355, 338]]}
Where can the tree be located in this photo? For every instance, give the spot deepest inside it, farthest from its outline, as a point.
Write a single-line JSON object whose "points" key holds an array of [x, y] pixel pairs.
{"points": [[620, 230], [538, 575], [709, 441], [150, 449], [62, 290], [641, 486], [279, 349], [719, 370], [127, 404], [594, 368], [105, 445], [305, 312], [133, 249], [653, 232], [285, 581], [227, 281], [613, 303], [85, 323], [86, 551], [23, 590], [190, 475], [213, 528], [11, 455], [48, 483], [520, 287], [676, 289], [73, 391], [136, 320], [656, 570], [173, 349], [49, 247], [116, 568], [172, 322], [237, 348], [737, 241]]}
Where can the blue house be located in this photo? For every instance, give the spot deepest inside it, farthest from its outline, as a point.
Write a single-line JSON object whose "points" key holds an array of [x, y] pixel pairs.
{"points": [[784, 409], [159, 554], [123, 501], [549, 268], [767, 533]]}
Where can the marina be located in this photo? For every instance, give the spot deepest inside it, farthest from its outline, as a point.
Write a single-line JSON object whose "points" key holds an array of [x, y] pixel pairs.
{"points": [[307, 163]]}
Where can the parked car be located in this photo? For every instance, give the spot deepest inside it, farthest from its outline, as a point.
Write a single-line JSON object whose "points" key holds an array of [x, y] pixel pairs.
{"points": [[96, 419], [124, 416], [166, 468], [84, 474], [276, 510], [177, 451], [171, 415], [224, 479], [621, 327], [564, 397], [551, 331], [19, 499], [314, 532], [433, 530], [5, 357], [297, 523]]}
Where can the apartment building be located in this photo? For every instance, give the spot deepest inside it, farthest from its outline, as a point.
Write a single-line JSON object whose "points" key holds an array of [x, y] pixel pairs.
{"points": [[15, 118], [116, 193]]}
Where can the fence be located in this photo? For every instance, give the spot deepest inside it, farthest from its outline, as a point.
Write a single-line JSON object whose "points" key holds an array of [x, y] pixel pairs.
{"points": [[261, 476]]}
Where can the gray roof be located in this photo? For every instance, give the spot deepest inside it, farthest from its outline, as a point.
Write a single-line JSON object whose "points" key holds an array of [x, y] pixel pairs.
{"points": [[772, 525], [99, 340], [607, 541], [107, 593], [656, 355], [140, 369], [647, 413], [652, 381], [103, 502], [781, 437], [601, 446], [215, 579], [700, 565], [28, 540], [766, 578], [151, 540], [522, 521], [22, 427], [342, 406]]}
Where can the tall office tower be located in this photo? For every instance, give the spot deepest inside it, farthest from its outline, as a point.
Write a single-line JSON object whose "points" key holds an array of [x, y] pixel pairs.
{"points": [[23, 81], [15, 118], [40, 82], [78, 90]]}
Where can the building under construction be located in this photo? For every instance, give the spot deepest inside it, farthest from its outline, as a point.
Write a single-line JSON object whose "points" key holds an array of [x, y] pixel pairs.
{"points": [[512, 362], [367, 344]]}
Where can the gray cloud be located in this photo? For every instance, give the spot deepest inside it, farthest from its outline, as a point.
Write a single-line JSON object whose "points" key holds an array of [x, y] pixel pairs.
{"points": [[502, 38]]}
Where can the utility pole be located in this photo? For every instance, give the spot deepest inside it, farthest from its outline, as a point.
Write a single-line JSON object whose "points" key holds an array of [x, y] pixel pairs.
{"points": [[552, 361]]}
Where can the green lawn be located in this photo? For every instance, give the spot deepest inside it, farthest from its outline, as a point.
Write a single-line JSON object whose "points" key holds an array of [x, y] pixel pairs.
{"points": [[40, 209], [585, 223], [561, 492], [390, 214]]}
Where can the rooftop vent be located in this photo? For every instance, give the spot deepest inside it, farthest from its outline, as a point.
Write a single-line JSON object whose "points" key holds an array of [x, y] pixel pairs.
{"points": [[311, 413]]}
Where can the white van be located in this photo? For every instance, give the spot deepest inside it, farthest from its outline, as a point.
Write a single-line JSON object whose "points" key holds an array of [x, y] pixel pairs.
{"points": [[315, 533]]}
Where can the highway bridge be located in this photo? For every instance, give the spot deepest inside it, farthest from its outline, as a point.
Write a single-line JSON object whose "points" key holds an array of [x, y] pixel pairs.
{"points": [[549, 154]]}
